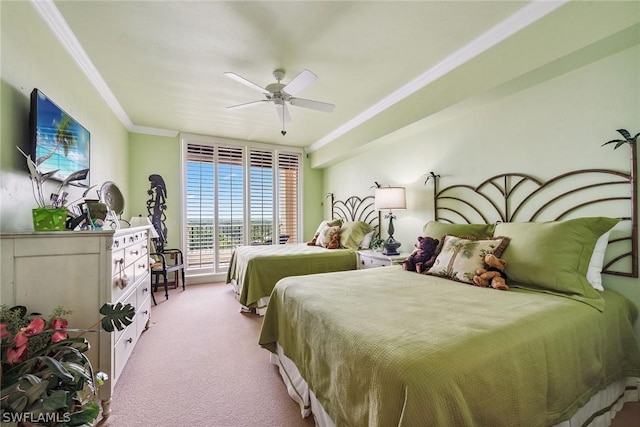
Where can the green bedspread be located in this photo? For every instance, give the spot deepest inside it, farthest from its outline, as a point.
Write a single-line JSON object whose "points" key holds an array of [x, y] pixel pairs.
{"points": [[387, 347], [256, 269]]}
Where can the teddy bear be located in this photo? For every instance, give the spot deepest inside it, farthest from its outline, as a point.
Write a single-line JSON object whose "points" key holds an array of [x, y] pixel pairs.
{"points": [[423, 256], [493, 275]]}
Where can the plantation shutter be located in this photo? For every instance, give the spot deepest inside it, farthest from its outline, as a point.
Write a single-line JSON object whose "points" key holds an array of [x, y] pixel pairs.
{"points": [[288, 190], [230, 200], [200, 206], [261, 204]]}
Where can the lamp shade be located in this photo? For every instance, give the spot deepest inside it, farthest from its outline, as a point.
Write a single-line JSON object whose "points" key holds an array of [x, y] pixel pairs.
{"points": [[390, 198], [140, 221]]}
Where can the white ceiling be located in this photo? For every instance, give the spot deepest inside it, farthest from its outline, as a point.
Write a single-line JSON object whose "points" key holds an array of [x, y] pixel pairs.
{"points": [[161, 64]]}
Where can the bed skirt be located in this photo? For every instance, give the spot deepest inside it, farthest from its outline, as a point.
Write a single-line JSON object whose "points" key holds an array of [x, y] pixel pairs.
{"points": [[261, 306], [597, 412]]}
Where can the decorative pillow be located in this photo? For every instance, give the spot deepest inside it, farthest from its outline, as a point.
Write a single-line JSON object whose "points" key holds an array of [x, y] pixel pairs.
{"points": [[459, 257], [323, 225], [352, 233], [594, 270], [366, 241], [437, 230], [330, 237], [554, 256]]}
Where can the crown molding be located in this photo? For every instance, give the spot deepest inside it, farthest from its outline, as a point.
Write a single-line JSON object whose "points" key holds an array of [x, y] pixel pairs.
{"points": [[56, 22]]}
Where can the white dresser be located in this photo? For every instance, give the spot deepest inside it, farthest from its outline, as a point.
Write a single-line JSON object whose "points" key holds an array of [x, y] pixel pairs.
{"points": [[79, 270]]}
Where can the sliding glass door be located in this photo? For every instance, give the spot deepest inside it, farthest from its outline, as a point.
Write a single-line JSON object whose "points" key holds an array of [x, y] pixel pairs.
{"points": [[238, 195]]}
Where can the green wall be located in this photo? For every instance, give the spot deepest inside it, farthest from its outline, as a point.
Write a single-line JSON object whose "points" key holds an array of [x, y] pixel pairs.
{"points": [[544, 123], [33, 58]]}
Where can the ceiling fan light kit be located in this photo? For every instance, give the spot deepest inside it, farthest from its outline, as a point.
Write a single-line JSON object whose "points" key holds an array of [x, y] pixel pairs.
{"points": [[282, 94]]}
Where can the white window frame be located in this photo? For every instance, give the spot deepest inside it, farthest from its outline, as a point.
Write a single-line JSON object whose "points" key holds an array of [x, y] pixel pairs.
{"points": [[215, 272]]}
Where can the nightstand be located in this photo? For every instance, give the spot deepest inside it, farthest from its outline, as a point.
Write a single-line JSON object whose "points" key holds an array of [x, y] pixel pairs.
{"points": [[371, 259]]}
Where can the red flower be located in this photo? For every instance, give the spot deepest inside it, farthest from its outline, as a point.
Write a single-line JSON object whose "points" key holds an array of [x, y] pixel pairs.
{"points": [[3, 331], [15, 354], [20, 341], [35, 327], [60, 334]]}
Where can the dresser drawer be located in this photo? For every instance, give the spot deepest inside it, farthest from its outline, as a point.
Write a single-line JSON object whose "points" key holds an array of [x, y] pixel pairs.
{"points": [[131, 299], [123, 349], [143, 313]]}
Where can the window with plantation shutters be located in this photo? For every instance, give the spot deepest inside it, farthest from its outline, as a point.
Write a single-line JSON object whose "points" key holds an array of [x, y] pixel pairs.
{"points": [[261, 186], [238, 195], [288, 200]]}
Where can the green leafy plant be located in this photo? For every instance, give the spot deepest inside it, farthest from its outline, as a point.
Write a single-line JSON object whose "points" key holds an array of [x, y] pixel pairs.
{"points": [[376, 243], [46, 377], [628, 139]]}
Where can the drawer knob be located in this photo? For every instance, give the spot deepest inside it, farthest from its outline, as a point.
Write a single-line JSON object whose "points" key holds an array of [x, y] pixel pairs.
{"points": [[145, 312], [145, 289], [120, 261], [130, 340], [134, 252]]}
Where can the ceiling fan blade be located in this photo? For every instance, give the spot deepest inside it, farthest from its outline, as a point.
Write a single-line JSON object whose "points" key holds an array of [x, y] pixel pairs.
{"points": [[283, 112], [248, 104], [239, 79], [299, 82], [314, 105]]}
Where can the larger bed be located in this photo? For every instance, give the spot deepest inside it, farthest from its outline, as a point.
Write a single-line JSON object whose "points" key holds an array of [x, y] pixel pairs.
{"points": [[389, 347], [254, 270]]}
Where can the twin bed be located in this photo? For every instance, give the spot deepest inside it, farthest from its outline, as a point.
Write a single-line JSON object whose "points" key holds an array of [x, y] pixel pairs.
{"points": [[254, 270], [389, 347]]}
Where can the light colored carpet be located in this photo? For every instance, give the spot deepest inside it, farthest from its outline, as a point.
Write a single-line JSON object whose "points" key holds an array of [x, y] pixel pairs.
{"points": [[200, 365]]}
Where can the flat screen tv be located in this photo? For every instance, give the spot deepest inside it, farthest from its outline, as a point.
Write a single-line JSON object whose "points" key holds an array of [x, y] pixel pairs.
{"points": [[56, 134]]}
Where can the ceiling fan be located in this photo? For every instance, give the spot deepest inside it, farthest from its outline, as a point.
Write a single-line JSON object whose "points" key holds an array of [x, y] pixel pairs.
{"points": [[281, 94]]}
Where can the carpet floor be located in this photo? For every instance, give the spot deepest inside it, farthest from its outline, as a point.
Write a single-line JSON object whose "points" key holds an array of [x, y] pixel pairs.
{"points": [[199, 365]]}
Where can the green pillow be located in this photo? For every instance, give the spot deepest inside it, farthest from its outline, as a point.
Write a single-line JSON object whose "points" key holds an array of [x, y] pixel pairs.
{"points": [[438, 229], [554, 256], [352, 233]]}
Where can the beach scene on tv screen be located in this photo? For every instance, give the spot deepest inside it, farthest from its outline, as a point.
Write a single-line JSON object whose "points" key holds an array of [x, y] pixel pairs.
{"points": [[59, 133]]}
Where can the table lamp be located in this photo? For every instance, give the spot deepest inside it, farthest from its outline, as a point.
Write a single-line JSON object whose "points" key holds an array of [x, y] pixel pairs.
{"points": [[390, 198]]}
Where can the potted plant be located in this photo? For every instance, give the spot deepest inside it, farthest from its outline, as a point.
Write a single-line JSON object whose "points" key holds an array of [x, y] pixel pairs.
{"points": [[51, 213], [46, 377]]}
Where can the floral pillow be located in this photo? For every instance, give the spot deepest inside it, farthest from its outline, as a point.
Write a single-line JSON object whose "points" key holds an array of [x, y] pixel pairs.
{"points": [[460, 257], [330, 237]]}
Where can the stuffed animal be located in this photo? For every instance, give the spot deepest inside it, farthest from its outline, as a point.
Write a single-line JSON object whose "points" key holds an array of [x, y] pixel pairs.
{"points": [[423, 256], [493, 275], [334, 243]]}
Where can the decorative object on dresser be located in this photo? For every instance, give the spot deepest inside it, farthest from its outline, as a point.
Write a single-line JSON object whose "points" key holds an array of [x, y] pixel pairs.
{"points": [[390, 198], [373, 259], [45, 372], [167, 261], [51, 214], [111, 196], [84, 270]]}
